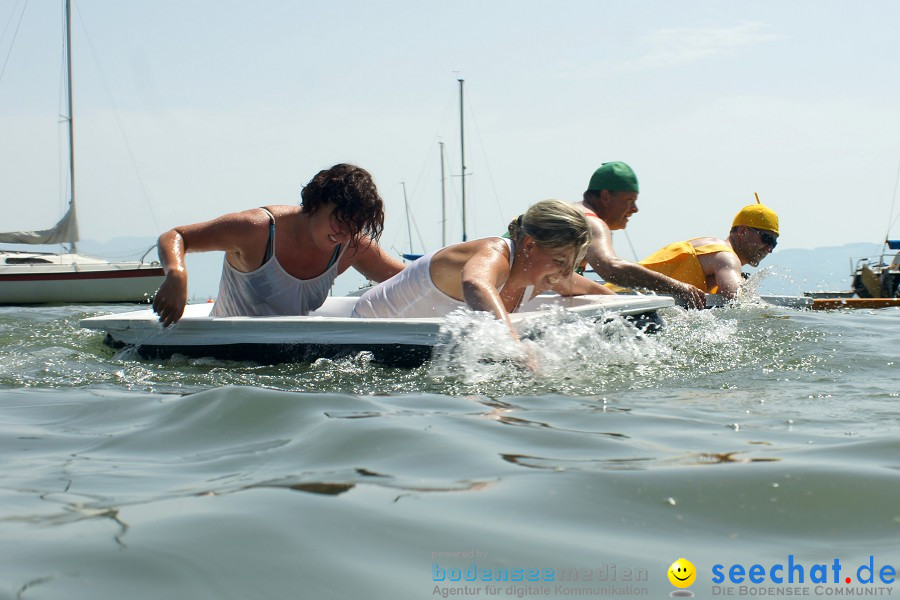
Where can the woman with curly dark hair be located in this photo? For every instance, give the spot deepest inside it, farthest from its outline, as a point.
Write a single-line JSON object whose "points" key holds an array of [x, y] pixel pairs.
{"points": [[336, 226]]}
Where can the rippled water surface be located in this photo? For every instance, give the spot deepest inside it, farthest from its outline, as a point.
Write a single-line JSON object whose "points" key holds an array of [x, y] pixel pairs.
{"points": [[739, 435]]}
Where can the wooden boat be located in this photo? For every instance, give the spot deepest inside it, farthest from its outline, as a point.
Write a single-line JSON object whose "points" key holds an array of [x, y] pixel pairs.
{"points": [[879, 277], [28, 277], [844, 303], [875, 283], [330, 331], [715, 301]]}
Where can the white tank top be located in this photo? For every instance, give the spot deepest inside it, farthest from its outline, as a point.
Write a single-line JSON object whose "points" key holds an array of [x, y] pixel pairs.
{"points": [[411, 293], [270, 290]]}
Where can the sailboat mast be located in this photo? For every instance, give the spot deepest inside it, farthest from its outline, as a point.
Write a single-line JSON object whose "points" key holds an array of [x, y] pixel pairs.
{"points": [[408, 224], [69, 109], [462, 152], [443, 200]]}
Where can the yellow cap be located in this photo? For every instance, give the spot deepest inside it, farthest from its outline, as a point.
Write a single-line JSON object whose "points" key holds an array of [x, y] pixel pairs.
{"points": [[758, 216]]}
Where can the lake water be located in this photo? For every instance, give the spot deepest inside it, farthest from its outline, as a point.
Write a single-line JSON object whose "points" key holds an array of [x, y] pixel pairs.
{"points": [[750, 435]]}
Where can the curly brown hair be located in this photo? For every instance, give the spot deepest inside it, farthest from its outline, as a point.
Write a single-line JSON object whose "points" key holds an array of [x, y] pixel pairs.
{"points": [[355, 198]]}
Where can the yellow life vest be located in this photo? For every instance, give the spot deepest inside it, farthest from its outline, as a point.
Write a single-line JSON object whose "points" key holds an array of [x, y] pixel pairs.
{"points": [[679, 261]]}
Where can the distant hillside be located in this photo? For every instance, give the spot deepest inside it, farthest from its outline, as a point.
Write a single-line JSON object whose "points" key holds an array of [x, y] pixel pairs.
{"points": [[794, 271]]}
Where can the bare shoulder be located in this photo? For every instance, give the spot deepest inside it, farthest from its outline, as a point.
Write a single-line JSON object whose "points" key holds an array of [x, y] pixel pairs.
{"points": [[708, 241], [466, 250], [476, 254], [370, 259], [489, 251], [598, 227], [583, 207], [719, 260], [365, 248], [225, 232], [279, 210], [495, 243]]}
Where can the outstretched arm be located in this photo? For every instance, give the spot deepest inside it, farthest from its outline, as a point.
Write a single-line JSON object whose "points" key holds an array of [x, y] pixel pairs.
{"points": [[373, 262], [171, 297], [241, 234], [727, 269], [578, 285], [482, 276], [603, 258]]}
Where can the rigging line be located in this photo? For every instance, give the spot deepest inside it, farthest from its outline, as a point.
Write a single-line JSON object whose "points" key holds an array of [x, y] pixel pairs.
{"points": [[428, 159], [418, 232], [630, 245], [426, 170], [484, 157], [9, 20], [15, 35], [415, 225], [428, 162], [408, 207], [119, 122]]}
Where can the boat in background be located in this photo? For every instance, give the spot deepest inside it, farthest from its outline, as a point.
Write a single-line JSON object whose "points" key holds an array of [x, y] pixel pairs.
{"points": [[875, 283], [879, 277], [799, 302], [28, 277], [67, 278]]}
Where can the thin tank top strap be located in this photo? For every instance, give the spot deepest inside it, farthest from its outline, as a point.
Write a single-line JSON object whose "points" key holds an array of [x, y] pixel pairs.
{"points": [[511, 244], [590, 214], [270, 245], [512, 248], [334, 256], [526, 296]]}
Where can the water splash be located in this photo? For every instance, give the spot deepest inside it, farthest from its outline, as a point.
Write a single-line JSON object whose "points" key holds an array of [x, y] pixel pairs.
{"points": [[563, 339], [475, 348], [46, 348], [568, 352]]}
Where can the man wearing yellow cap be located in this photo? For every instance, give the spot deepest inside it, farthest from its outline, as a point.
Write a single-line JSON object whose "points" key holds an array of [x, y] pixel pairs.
{"points": [[610, 200], [714, 265]]}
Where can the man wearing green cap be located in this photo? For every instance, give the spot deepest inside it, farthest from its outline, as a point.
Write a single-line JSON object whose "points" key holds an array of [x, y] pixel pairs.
{"points": [[610, 200], [714, 265]]}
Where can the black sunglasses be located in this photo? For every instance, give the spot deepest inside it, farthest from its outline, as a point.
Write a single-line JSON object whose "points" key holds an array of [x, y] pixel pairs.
{"points": [[767, 238]]}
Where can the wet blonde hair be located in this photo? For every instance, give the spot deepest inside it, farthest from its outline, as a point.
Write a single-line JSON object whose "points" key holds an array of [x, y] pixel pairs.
{"points": [[553, 224]]}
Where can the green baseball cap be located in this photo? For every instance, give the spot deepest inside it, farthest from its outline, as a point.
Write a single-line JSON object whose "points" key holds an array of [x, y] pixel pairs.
{"points": [[615, 177]]}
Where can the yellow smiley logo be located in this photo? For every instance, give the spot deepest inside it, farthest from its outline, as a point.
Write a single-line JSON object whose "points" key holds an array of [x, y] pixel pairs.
{"points": [[682, 573]]}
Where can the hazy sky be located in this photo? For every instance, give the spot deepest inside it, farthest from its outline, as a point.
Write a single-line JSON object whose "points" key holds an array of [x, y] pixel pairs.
{"points": [[202, 107]]}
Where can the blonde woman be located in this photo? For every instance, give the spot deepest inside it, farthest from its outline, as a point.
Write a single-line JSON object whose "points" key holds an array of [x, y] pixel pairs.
{"points": [[494, 274]]}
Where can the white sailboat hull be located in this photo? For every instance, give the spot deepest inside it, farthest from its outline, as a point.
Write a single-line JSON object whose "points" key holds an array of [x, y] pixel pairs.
{"points": [[327, 332], [38, 278]]}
